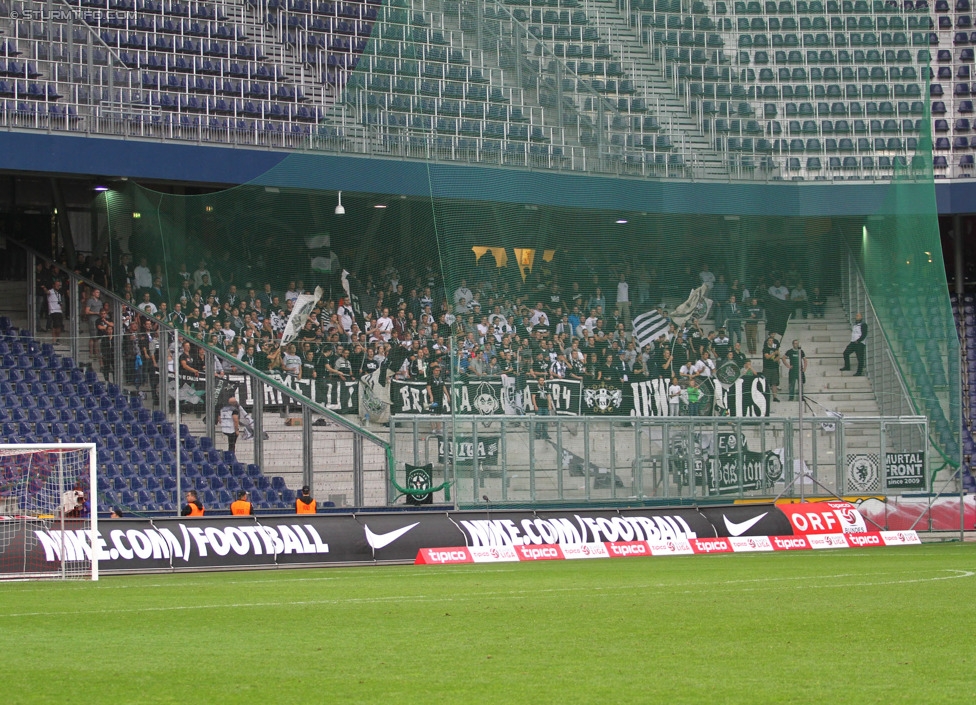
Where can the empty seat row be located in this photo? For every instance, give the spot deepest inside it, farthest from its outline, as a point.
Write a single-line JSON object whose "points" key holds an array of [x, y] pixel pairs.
{"points": [[787, 7], [842, 56], [157, 7], [815, 145]]}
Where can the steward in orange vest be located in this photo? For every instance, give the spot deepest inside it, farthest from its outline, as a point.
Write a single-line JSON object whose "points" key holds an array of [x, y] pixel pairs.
{"points": [[304, 504], [192, 508], [241, 507]]}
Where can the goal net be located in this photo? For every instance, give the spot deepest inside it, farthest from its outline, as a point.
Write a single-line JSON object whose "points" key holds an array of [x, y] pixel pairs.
{"points": [[48, 512]]}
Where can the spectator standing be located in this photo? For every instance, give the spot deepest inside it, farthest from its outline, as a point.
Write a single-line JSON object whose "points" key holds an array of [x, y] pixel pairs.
{"points": [[706, 277], [674, 397], [623, 300], [754, 314], [291, 362], [93, 310], [770, 366], [859, 332], [142, 276], [230, 422], [200, 275], [733, 319], [463, 293], [795, 360], [55, 310], [106, 332], [694, 397]]}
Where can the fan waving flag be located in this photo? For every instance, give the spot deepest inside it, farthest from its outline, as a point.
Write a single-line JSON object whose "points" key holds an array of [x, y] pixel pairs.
{"points": [[650, 326], [304, 305], [697, 305], [354, 293]]}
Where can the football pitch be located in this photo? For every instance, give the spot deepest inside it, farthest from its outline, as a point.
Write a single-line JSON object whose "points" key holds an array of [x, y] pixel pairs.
{"points": [[879, 626]]}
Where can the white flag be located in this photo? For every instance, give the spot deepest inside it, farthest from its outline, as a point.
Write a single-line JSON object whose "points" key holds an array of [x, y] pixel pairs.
{"points": [[304, 305], [314, 242], [696, 306], [322, 264]]}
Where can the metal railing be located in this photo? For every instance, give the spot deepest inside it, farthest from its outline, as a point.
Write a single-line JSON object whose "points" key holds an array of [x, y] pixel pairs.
{"points": [[516, 460]]}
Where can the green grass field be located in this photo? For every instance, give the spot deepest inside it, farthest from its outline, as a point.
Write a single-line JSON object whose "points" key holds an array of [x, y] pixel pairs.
{"points": [[879, 625]]}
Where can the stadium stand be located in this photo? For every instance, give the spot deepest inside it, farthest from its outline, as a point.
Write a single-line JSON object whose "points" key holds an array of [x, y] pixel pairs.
{"points": [[746, 90], [771, 91], [46, 398]]}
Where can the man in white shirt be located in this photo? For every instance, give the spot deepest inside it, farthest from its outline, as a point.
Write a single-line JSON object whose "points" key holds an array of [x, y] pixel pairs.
{"points": [[199, 273], [292, 292], [778, 291], [463, 292], [142, 275], [344, 313], [623, 300], [590, 323], [539, 317], [674, 397], [384, 325], [705, 366], [706, 276], [55, 310], [291, 362], [147, 305]]}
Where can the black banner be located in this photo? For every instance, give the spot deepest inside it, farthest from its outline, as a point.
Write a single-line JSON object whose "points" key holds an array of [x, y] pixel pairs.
{"points": [[720, 463], [748, 520], [905, 471], [222, 542], [747, 396], [336, 395], [568, 397], [466, 449], [420, 477]]}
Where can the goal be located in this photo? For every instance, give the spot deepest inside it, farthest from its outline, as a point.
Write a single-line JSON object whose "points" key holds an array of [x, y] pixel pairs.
{"points": [[48, 511]]}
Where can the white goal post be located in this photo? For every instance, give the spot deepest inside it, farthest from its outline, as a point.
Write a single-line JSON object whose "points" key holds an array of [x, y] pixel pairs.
{"points": [[48, 511]]}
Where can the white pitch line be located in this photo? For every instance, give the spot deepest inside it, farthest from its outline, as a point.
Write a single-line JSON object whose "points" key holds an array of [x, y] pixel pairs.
{"points": [[83, 585], [959, 574], [500, 595]]}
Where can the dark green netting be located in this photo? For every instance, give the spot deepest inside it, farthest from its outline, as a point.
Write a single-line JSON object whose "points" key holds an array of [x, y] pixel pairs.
{"points": [[501, 235]]}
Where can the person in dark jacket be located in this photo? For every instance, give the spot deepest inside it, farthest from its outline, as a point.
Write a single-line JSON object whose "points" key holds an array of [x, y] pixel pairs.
{"points": [[192, 508], [859, 333]]}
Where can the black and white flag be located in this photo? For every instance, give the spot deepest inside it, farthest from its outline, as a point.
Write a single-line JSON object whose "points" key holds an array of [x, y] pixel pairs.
{"points": [[697, 305], [354, 292], [320, 250], [650, 326], [304, 305]]}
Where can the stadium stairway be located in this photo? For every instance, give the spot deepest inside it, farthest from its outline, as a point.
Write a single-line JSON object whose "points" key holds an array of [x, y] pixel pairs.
{"points": [[823, 341], [673, 110], [45, 397]]}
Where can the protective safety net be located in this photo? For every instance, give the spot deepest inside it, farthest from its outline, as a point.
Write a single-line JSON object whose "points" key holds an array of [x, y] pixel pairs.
{"points": [[472, 284]]}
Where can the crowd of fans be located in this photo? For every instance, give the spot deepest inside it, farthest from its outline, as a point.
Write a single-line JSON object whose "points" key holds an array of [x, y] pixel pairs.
{"points": [[564, 320]]}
